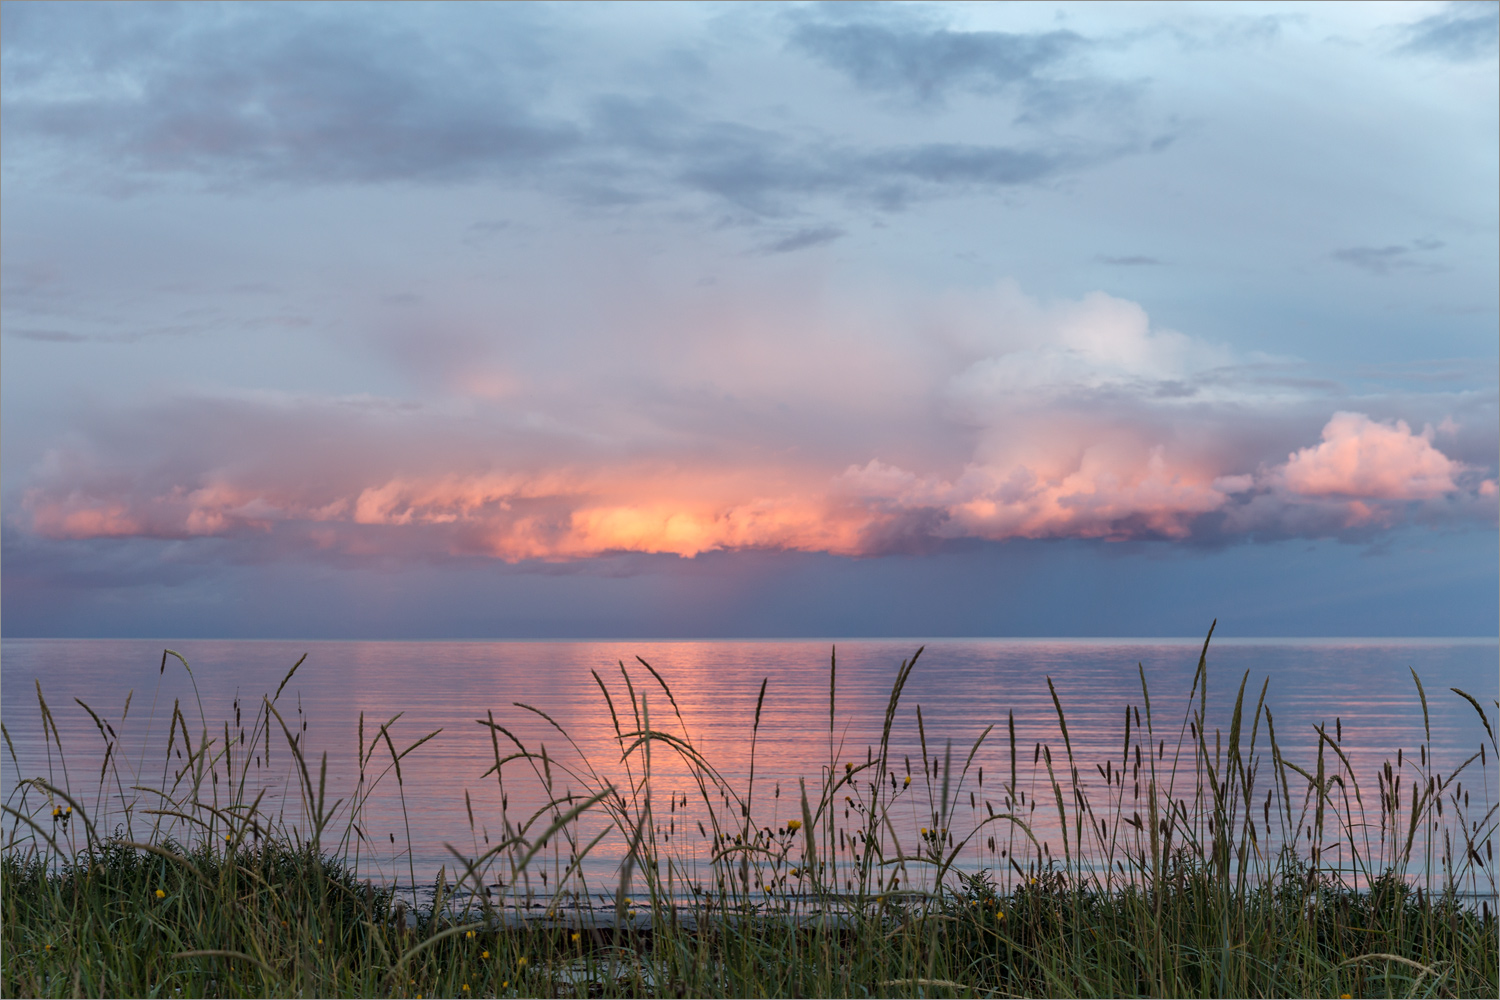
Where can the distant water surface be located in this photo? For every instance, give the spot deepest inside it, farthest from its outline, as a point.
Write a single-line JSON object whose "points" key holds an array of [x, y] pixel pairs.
{"points": [[1362, 688]]}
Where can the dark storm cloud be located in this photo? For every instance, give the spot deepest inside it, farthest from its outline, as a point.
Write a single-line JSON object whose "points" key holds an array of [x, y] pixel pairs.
{"points": [[925, 65], [1462, 32]]}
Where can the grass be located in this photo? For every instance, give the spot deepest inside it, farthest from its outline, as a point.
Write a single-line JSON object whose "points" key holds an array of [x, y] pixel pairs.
{"points": [[1202, 861]]}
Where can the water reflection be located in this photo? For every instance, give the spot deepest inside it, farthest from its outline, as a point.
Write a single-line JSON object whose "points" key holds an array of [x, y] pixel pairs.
{"points": [[1362, 693]]}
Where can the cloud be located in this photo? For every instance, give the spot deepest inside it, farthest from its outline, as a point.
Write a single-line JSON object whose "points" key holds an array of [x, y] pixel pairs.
{"points": [[1362, 458], [1132, 260], [770, 174], [48, 336], [802, 239], [234, 98], [1387, 259], [239, 96], [1462, 32], [925, 65], [990, 416]]}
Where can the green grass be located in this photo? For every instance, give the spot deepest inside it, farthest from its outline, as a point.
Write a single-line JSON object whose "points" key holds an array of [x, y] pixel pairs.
{"points": [[1195, 864]]}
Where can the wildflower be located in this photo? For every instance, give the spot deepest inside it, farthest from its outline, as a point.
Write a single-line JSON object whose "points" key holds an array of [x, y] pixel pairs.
{"points": [[485, 953], [848, 768], [906, 782], [502, 986], [466, 987], [49, 947], [924, 831], [575, 937], [521, 962], [469, 934], [161, 894], [793, 825], [56, 811], [999, 914]]}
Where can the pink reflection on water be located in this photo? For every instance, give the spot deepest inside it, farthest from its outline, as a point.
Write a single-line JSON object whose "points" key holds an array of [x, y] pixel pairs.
{"points": [[1360, 692]]}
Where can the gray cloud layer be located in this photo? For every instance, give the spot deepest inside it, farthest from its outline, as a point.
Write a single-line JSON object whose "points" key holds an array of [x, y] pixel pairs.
{"points": [[322, 95], [925, 66], [1463, 32]]}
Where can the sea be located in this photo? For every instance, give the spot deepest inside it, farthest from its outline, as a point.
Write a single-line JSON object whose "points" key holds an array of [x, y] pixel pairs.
{"points": [[115, 723]]}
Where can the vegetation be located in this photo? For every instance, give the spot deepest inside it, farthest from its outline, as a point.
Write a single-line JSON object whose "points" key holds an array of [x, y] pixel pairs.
{"points": [[1197, 864]]}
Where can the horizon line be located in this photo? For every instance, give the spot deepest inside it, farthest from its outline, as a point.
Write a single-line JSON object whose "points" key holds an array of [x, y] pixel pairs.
{"points": [[1136, 640]]}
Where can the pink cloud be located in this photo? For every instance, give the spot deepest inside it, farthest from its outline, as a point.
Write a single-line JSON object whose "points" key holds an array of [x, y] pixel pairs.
{"points": [[1076, 479], [1361, 458], [995, 417]]}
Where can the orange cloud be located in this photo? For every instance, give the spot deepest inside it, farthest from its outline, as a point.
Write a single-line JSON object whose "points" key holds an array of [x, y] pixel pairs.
{"points": [[990, 416], [1075, 480]]}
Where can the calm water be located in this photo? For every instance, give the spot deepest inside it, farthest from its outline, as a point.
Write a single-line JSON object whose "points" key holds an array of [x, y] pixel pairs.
{"points": [[1362, 687]]}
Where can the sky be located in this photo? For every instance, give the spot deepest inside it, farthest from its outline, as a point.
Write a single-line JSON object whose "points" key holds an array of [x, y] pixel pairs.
{"points": [[695, 320]]}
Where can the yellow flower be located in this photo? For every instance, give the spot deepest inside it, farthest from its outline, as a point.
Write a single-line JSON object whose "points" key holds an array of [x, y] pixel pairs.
{"points": [[848, 768], [906, 782], [469, 934], [924, 831], [793, 825], [521, 962], [999, 914], [485, 953], [161, 894], [466, 987], [575, 937], [1345, 996]]}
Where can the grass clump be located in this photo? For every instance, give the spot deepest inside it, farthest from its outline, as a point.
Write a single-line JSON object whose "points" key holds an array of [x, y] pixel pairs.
{"points": [[1202, 862]]}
